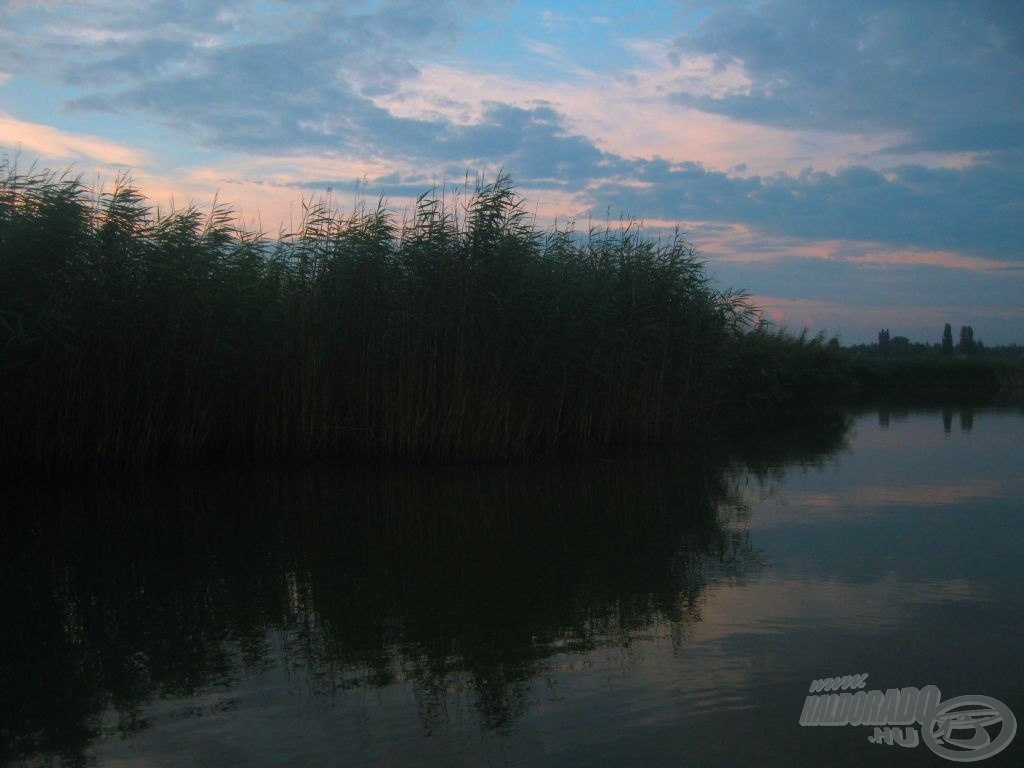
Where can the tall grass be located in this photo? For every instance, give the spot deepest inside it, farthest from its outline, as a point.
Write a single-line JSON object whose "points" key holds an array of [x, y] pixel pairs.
{"points": [[130, 338], [772, 367]]}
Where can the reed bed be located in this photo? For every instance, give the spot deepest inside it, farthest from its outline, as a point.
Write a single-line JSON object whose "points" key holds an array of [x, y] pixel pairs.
{"points": [[131, 338]]}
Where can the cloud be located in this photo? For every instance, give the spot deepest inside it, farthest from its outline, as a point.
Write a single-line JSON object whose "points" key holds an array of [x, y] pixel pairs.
{"points": [[740, 244], [976, 210], [627, 113], [948, 75], [249, 74], [55, 144], [532, 141]]}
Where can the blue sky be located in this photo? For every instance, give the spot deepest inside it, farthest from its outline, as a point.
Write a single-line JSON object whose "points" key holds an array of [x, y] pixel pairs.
{"points": [[854, 166]]}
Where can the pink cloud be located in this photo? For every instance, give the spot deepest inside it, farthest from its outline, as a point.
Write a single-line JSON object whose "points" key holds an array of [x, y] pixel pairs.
{"points": [[55, 144], [632, 113], [739, 243]]}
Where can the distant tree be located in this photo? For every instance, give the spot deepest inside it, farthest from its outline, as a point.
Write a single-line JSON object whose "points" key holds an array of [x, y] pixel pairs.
{"points": [[899, 346], [967, 345], [947, 340], [883, 342]]}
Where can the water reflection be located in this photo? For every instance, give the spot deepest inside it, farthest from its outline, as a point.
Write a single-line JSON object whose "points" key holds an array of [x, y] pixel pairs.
{"points": [[450, 579], [961, 412], [156, 603]]}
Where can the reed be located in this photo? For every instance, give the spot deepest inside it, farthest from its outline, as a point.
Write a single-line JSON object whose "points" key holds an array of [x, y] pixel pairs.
{"points": [[131, 338]]}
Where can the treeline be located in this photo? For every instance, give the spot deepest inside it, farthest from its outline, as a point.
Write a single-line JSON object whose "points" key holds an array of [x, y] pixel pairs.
{"points": [[967, 346], [896, 365], [129, 338]]}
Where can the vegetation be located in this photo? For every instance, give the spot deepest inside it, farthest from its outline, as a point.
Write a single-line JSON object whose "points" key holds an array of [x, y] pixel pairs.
{"points": [[928, 375], [899, 366], [902, 347], [130, 338]]}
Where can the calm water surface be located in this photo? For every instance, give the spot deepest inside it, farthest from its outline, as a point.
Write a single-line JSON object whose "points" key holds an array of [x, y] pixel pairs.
{"points": [[653, 608]]}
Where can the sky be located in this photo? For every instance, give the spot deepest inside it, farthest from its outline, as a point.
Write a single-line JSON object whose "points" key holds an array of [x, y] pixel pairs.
{"points": [[852, 166]]}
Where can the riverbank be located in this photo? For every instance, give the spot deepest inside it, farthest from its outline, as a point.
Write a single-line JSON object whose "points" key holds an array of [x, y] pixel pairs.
{"points": [[936, 376]]}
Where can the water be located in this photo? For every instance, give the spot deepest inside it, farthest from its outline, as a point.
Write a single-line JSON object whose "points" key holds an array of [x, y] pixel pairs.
{"points": [[648, 608]]}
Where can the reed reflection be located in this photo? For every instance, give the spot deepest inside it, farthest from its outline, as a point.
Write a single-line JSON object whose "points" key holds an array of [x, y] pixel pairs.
{"points": [[459, 582]]}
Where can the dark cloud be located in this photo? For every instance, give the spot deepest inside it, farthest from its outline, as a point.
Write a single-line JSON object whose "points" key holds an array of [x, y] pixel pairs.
{"points": [[949, 74], [303, 84], [133, 62], [535, 143], [102, 45], [269, 96], [977, 209]]}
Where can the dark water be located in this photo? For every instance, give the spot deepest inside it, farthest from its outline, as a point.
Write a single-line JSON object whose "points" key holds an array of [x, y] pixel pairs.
{"points": [[655, 608]]}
